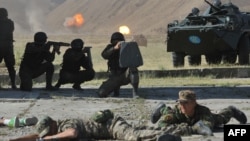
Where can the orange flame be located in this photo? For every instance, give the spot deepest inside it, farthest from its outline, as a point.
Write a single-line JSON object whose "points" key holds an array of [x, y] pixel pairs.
{"points": [[124, 29], [76, 21]]}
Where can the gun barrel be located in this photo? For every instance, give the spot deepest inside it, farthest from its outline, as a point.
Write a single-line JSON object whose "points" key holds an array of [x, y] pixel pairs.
{"points": [[64, 44], [58, 43], [216, 8], [208, 2]]}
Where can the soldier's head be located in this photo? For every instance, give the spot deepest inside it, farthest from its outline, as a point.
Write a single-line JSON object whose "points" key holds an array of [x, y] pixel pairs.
{"points": [[195, 11], [3, 13], [116, 37], [46, 126], [187, 102], [40, 37], [217, 3], [77, 44]]}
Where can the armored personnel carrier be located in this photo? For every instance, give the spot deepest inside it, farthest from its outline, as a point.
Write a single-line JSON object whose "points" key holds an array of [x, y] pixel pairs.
{"points": [[221, 34]]}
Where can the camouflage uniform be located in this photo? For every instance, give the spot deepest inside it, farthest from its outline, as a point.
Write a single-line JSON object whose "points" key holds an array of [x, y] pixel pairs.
{"points": [[118, 76], [175, 119], [113, 128], [6, 44], [37, 59]]}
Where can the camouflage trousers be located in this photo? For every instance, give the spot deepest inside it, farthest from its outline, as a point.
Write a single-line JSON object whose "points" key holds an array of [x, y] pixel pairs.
{"points": [[121, 130], [222, 117]]}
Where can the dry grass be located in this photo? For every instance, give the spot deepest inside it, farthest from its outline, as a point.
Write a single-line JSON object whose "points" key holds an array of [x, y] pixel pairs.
{"points": [[184, 81], [154, 55]]}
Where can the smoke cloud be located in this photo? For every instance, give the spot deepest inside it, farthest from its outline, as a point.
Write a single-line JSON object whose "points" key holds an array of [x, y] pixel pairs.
{"points": [[29, 15]]}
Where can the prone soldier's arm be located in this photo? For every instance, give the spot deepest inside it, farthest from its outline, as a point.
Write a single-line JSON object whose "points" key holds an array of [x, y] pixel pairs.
{"points": [[31, 137]]}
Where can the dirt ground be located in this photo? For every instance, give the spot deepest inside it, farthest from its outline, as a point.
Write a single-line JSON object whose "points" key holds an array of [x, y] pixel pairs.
{"points": [[69, 103]]}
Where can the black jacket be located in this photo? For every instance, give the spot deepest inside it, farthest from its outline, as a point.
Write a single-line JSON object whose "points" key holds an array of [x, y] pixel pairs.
{"points": [[73, 60], [113, 58], [35, 55]]}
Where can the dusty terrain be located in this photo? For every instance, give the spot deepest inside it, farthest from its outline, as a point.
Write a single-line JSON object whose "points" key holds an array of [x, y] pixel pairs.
{"points": [[103, 17], [68, 103]]}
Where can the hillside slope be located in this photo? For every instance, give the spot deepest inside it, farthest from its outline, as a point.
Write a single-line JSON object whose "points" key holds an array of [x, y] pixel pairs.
{"points": [[103, 17]]}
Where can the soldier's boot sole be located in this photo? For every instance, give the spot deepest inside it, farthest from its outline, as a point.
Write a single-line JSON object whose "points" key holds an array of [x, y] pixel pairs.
{"points": [[155, 116], [168, 137], [238, 115]]}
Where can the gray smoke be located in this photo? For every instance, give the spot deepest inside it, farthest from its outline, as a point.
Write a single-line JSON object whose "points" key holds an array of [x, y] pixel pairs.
{"points": [[29, 15]]}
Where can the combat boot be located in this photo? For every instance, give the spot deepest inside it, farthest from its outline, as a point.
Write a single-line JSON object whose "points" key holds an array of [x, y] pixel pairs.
{"points": [[135, 90], [201, 129], [28, 121], [238, 115], [77, 87], [14, 122], [12, 75], [134, 78], [155, 116], [51, 88], [117, 92], [135, 94], [13, 86], [168, 137], [58, 85], [49, 75]]}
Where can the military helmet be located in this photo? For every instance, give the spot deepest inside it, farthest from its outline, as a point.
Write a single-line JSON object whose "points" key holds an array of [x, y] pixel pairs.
{"points": [[43, 126], [195, 11], [117, 36], [77, 44], [3, 13], [40, 37], [217, 3]]}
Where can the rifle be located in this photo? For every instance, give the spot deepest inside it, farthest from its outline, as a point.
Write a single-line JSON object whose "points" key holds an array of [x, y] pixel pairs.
{"points": [[88, 54], [56, 46]]}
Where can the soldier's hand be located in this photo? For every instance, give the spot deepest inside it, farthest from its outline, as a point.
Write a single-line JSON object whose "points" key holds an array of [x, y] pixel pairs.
{"points": [[118, 45], [200, 128]]}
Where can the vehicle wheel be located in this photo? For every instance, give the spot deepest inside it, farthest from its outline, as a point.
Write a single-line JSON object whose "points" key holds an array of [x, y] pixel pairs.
{"points": [[229, 58], [194, 60], [244, 51], [213, 59], [178, 59]]}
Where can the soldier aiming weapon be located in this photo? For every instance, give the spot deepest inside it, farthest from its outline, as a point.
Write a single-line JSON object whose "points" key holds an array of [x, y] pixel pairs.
{"points": [[56, 46]]}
